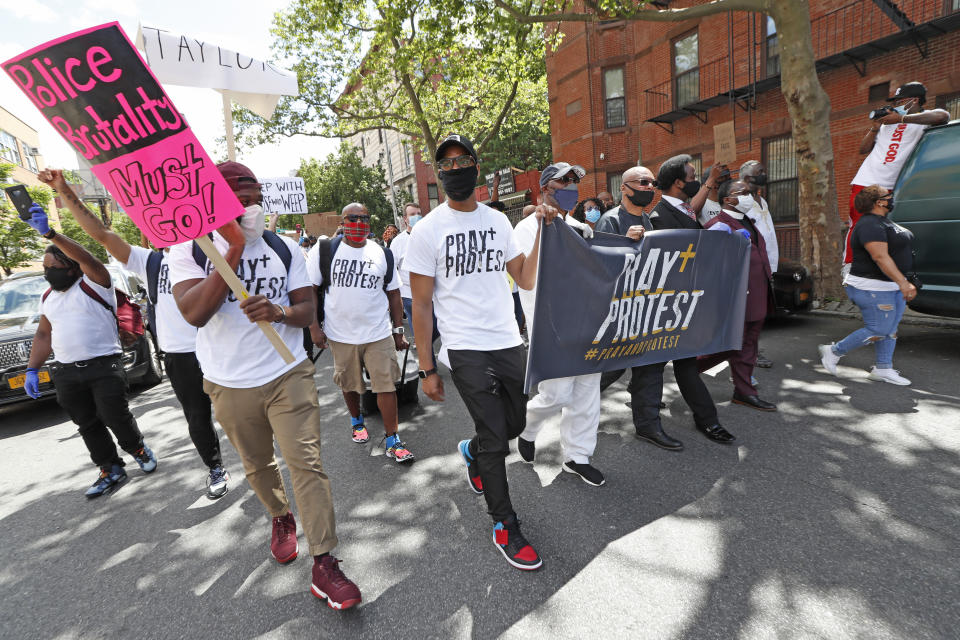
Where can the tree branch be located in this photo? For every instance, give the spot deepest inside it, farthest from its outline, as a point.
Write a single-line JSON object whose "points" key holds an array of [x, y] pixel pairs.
{"points": [[495, 128], [658, 15]]}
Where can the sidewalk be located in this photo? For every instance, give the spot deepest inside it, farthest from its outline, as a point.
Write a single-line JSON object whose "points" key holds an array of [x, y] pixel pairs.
{"points": [[846, 309]]}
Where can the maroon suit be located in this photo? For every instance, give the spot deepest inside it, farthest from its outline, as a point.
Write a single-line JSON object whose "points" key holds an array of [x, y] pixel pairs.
{"points": [[758, 300]]}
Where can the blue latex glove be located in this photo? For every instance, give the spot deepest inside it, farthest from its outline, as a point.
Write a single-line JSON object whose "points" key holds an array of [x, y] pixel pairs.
{"points": [[720, 226], [39, 219], [744, 233], [32, 384]]}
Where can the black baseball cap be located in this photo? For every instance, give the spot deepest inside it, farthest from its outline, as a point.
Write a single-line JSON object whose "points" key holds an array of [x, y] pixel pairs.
{"points": [[909, 90], [452, 139], [559, 169]]}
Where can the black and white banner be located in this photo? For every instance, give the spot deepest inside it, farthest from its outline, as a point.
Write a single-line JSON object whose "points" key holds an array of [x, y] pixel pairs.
{"points": [[612, 303]]}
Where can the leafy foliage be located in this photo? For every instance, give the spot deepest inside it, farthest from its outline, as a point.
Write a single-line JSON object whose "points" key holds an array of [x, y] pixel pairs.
{"points": [[523, 141], [342, 178], [19, 243], [420, 68], [70, 228]]}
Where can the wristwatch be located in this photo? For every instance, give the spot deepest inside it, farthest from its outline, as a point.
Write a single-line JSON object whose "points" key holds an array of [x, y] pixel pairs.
{"points": [[398, 331], [426, 374]]}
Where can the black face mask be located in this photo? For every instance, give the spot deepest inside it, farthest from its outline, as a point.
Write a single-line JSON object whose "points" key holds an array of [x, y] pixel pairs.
{"points": [[691, 188], [60, 278], [759, 179], [640, 198], [458, 184]]}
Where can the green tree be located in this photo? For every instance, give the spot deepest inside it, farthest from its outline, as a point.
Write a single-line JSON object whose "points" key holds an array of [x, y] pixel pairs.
{"points": [[523, 141], [420, 68], [70, 228], [807, 102], [342, 178], [19, 243]]}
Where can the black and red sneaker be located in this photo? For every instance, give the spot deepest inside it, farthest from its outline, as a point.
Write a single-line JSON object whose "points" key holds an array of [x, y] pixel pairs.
{"points": [[331, 585], [473, 471], [513, 546]]}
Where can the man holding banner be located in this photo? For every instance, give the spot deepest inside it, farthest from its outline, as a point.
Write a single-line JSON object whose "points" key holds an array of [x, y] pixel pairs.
{"points": [[457, 256], [575, 398], [258, 397]]}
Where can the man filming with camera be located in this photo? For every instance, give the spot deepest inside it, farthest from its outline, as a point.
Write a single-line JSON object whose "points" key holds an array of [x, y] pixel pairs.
{"points": [[895, 130]]}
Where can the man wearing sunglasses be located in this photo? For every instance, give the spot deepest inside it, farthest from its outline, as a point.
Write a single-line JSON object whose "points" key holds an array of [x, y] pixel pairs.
{"points": [[576, 399], [362, 322], [456, 258]]}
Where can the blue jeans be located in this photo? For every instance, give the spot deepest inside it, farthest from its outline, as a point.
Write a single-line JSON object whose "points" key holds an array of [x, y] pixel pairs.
{"points": [[881, 311], [408, 312]]}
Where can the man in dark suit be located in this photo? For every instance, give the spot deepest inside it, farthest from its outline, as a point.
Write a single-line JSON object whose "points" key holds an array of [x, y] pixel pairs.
{"points": [[646, 384], [736, 200]]}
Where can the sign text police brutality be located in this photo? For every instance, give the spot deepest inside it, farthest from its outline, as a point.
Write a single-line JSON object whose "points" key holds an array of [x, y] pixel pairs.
{"points": [[97, 92]]}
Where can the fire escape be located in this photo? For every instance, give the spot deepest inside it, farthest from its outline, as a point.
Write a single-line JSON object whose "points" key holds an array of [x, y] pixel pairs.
{"points": [[848, 35]]}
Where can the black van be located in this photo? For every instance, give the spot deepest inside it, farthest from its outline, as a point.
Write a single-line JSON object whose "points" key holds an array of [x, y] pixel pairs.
{"points": [[927, 201]]}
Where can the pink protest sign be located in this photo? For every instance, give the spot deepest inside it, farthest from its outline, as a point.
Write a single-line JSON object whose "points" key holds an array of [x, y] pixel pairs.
{"points": [[96, 90]]}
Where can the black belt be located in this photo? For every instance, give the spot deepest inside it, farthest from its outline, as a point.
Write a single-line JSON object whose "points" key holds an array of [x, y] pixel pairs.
{"points": [[80, 364]]}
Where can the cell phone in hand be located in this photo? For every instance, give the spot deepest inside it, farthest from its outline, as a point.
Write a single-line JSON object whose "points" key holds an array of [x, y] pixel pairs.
{"points": [[21, 200]]}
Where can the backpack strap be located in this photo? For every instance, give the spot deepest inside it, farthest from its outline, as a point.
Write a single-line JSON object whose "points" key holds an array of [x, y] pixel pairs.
{"points": [[388, 254], [46, 293], [279, 247], [198, 255], [153, 274], [87, 289]]}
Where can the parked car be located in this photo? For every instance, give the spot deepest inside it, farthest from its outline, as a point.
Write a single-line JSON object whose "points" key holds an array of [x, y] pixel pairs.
{"points": [[927, 202], [19, 305], [792, 288]]}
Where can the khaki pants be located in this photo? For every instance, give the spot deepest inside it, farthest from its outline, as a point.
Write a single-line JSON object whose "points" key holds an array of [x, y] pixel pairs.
{"points": [[285, 409]]}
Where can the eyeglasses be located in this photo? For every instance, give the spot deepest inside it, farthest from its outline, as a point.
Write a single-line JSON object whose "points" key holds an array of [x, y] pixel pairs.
{"points": [[460, 162], [357, 217], [643, 182]]}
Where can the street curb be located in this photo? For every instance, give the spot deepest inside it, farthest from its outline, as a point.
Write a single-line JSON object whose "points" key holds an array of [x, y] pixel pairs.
{"points": [[911, 318]]}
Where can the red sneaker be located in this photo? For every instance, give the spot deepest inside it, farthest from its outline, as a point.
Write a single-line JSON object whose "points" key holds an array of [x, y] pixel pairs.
{"points": [[331, 585], [283, 541], [514, 547]]}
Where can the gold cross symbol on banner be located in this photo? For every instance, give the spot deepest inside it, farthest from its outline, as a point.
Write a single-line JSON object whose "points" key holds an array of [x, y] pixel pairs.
{"points": [[687, 255]]}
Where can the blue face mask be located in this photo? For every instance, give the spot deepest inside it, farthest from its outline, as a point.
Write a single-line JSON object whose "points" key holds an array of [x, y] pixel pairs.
{"points": [[568, 197], [592, 215], [901, 110], [412, 220]]}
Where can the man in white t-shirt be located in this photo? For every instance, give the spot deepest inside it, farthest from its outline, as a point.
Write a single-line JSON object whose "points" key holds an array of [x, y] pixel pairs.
{"points": [[176, 337], [362, 322], [78, 323], [887, 144], [456, 259], [257, 396], [411, 216], [576, 399]]}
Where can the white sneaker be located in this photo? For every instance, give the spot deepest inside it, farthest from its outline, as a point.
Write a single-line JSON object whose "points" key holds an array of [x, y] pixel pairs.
{"points": [[828, 358], [888, 375]]}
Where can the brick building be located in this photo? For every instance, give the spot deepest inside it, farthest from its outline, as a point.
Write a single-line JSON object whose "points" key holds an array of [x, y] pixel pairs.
{"points": [[626, 93]]}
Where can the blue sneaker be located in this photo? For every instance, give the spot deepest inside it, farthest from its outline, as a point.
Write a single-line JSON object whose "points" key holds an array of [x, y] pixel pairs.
{"points": [[360, 434], [397, 450], [146, 459], [217, 482], [473, 471], [109, 479]]}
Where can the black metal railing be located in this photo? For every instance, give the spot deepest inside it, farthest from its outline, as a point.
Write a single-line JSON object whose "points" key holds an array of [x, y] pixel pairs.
{"points": [[855, 24]]}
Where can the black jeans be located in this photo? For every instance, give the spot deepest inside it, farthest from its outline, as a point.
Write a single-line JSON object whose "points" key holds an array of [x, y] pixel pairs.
{"points": [[646, 391], [187, 382], [491, 385], [94, 396]]}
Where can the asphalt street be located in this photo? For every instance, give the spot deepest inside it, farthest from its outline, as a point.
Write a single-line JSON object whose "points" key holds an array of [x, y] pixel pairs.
{"points": [[835, 517]]}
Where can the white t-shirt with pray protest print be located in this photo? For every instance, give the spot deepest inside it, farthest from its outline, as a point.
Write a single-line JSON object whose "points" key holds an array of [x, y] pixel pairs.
{"points": [[356, 310], [232, 351], [467, 254], [174, 334]]}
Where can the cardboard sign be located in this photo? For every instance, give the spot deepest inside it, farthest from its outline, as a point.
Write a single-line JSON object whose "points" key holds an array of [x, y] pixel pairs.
{"points": [[724, 144], [178, 59], [284, 195], [321, 224], [97, 92]]}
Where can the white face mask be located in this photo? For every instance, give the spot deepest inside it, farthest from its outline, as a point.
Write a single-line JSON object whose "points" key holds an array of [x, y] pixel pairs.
{"points": [[252, 223], [744, 203], [412, 220]]}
